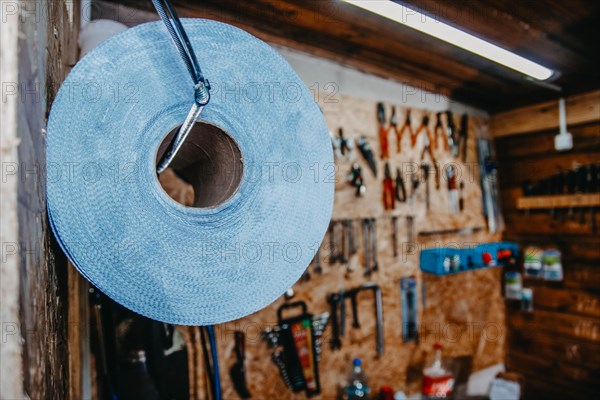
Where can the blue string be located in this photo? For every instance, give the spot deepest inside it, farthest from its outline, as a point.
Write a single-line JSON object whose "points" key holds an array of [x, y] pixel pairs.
{"points": [[215, 361]]}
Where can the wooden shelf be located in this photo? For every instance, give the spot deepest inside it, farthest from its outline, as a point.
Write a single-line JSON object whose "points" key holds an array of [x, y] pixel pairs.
{"points": [[559, 201]]}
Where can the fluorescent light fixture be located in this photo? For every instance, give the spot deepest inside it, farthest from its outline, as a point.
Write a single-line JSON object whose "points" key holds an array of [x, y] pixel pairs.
{"points": [[432, 27]]}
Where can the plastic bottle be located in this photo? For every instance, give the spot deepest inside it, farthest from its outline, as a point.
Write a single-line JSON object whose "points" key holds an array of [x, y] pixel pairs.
{"points": [[438, 381], [357, 386]]}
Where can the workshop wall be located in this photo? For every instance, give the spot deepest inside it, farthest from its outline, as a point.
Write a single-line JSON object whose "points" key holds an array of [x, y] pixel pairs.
{"points": [[465, 311], [560, 341]]}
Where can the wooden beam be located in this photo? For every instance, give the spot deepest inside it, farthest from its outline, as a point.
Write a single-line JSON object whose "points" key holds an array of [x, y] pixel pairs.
{"points": [[581, 109], [79, 348], [11, 350]]}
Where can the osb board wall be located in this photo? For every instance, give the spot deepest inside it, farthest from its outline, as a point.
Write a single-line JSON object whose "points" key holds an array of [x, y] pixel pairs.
{"points": [[465, 312], [560, 341]]}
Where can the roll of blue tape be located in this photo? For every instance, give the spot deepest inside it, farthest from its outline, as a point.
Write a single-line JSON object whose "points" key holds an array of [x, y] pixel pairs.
{"points": [[245, 243]]}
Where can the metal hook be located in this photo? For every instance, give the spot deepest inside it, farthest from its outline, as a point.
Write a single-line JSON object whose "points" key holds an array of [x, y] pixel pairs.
{"points": [[201, 85]]}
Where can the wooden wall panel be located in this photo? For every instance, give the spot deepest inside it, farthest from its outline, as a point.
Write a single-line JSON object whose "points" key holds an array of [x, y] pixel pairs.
{"points": [[556, 347], [47, 48], [581, 109]]}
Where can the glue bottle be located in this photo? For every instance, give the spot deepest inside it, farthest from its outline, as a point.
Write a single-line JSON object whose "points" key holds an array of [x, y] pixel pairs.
{"points": [[438, 381]]}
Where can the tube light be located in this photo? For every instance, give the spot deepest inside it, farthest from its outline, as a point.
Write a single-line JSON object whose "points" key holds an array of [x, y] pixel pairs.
{"points": [[432, 27]]}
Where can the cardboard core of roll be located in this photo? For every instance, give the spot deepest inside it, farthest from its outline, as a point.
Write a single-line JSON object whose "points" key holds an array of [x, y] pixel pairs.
{"points": [[206, 171]]}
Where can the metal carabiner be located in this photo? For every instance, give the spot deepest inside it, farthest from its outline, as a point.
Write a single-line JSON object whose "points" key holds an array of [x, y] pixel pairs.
{"points": [[201, 85]]}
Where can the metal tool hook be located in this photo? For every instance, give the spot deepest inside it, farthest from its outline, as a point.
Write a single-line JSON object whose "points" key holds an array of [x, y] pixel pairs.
{"points": [[201, 85]]}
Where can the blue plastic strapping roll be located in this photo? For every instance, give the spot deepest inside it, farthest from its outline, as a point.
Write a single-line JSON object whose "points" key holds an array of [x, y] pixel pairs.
{"points": [[188, 265]]}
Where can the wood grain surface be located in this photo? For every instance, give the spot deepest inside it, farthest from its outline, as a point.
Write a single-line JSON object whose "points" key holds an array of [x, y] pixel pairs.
{"points": [[554, 348]]}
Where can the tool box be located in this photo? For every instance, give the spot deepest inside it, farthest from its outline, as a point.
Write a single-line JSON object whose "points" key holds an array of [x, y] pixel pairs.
{"points": [[451, 260]]}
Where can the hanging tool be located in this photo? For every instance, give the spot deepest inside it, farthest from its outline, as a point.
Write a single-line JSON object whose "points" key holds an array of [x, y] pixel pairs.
{"points": [[319, 323], [463, 134], [425, 169], [334, 303], [452, 189], [271, 337], [299, 352], [370, 240], [410, 228], [238, 370], [373, 229], [424, 127], [351, 244], [439, 131], [389, 198], [394, 126], [451, 134], [297, 345], [383, 132], [349, 248], [343, 256], [354, 307], [356, 179], [407, 126], [490, 190], [461, 200], [342, 307], [342, 146], [335, 254], [427, 150], [316, 263], [367, 153], [367, 247], [395, 236], [378, 314], [277, 358], [408, 296], [318, 268], [400, 189], [331, 232], [352, 294], [416, 181]]}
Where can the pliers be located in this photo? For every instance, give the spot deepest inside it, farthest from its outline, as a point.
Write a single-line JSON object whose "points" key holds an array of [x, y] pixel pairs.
{"points": [[439, 131], [399, 133], [394, 126], [389, 199], [383, 132], [427, 150], [400, 188], [424, 127]]}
